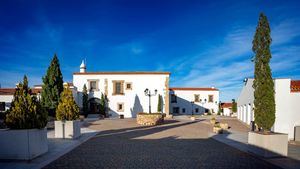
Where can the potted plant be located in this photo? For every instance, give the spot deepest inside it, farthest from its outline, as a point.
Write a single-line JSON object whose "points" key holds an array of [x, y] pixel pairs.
{"points": [[213, 120], [26, 135], [67, 124], [265, 142], [217, 129]]}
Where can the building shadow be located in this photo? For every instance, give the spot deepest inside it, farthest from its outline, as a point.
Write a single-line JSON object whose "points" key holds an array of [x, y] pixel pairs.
{"points": [[184, 107]]}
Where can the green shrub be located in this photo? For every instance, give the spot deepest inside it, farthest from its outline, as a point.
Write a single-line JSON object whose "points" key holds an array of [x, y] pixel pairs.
{"points": [[26, 111], [67, 109]]}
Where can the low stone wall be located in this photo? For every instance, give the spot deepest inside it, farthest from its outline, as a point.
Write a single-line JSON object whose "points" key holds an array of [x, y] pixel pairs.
{"points": [[147, 119]]}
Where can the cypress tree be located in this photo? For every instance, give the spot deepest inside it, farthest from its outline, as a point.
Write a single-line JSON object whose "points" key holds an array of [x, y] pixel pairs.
{"points": [[52, 87], [103, 104], [85, 101], [159, 105], [26, 111], [264, 102], [67, 108], [234, 106]]}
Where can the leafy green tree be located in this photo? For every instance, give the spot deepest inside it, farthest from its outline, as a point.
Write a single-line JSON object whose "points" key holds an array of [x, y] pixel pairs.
{"points": [[234, 106], [159, 105], [85, 101], [67, 109], [264, 101], [52, 87], [26, 111]]}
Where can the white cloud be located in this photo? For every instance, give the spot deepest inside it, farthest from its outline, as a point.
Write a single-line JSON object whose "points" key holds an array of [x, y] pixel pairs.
{"points": [[225, 65]]}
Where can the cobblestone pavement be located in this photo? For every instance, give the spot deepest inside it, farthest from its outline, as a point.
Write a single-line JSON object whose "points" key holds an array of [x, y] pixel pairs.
{"points": [[177, 144]]}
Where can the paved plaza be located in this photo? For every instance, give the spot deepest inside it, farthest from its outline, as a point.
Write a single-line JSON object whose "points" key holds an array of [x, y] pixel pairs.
{"points": [[175, 144]]}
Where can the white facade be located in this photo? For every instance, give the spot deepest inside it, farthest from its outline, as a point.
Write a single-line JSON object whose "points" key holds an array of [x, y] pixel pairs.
{"points": [[7, 99], [193, 100], [133, 100], [287, 106], [227, 111]]}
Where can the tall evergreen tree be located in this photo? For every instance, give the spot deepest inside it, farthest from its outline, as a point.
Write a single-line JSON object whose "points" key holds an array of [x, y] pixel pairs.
{"points": [[26, 111], [103, 103], [159, 105], [234, 106], [52, 87], [85, 101], [264, 102]]}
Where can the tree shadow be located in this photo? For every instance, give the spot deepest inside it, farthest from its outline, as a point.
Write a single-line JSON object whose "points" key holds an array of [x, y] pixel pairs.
{"points": [[137, 107]]}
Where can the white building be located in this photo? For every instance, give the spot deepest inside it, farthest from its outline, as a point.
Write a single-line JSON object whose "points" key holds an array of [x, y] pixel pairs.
{"points": [[287, 99], [194, 100], [227, 109], [125, 92]]}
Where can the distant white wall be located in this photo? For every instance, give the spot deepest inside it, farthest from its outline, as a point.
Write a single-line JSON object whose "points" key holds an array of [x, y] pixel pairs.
{"points": [[7, 99], [184, 98], [227, 111]]}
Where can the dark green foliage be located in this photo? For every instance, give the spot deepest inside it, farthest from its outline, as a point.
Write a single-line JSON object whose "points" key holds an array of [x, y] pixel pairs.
{"points": [[220, 109], [264, 102], [26, 111], [234, 106], [67, 109], [52, 87], [85, 100], [103, 103], [159, 105]]}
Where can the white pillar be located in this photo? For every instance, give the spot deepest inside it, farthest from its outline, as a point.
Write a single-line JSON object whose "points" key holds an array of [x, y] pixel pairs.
{"points": [[249, 113], [245, 114]]}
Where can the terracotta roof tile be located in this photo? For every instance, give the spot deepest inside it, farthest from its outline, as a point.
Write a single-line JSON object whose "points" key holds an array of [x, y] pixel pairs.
{"points": [[11, 91], [295, 86], [226, 105]]}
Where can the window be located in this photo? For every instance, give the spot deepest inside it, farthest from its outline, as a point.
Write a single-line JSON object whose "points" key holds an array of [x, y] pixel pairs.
{"points": [[210, 98], [197, 98], [2, 106], [93, 85], [128, 86], [173, 98], [183, 110], [120, 107], [196, 110], [118, 87]]}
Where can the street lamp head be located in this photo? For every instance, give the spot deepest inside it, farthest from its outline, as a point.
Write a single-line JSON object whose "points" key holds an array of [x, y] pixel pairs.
{"points": [[155, 91], [146, 91]]}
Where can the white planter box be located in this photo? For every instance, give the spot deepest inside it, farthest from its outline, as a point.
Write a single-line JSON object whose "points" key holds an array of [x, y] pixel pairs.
{"points": [[67, 129], [271, 145], [24, 144]]}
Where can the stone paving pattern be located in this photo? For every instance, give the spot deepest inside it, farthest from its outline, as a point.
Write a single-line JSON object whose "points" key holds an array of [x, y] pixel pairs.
{"points": [[177, 144]]}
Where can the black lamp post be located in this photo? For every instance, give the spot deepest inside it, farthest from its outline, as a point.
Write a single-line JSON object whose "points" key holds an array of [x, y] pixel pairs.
{"points": [[192, 103], [148, 93]]}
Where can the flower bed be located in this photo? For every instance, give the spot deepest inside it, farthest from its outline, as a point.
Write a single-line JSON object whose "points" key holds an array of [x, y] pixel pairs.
{"points": [[147, 119]]}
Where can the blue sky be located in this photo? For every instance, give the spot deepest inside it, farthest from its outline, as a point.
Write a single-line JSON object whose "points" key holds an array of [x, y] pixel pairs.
{"points": [[202, 43]]}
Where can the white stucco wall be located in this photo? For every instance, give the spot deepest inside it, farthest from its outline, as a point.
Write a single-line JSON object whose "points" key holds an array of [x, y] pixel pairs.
{"points": [[7, 99], [227, 111], [184, 98], [134, 100], [287, 106]]}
